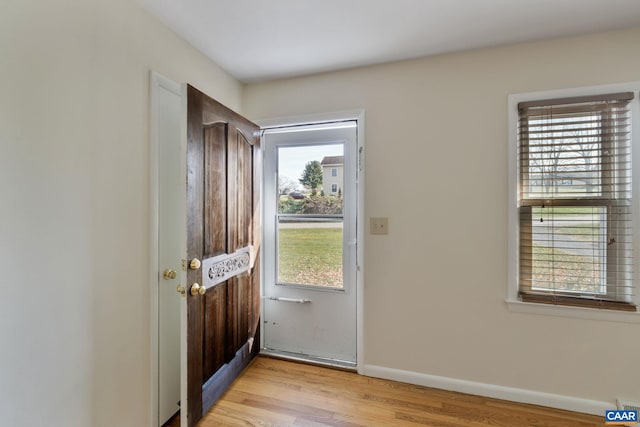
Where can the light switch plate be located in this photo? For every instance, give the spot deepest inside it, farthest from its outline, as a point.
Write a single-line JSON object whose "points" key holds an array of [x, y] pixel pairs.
{"points": [[379, 225]]}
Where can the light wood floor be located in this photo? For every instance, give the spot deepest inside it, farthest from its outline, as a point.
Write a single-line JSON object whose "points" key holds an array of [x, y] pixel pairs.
{"points": [[274, 392]]}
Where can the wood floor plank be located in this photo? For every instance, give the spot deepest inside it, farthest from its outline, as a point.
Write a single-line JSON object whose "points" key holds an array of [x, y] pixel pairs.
{"points": [[249, 415], [274, 392]]}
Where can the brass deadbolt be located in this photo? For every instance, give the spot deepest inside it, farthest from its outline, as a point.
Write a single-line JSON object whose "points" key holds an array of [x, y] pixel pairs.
{"points": [[195, 264], [169, 274], [181, 290], [196, 289]]}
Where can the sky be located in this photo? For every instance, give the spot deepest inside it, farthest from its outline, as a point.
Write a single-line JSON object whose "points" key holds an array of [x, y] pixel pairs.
{"points": [[291, 160]]}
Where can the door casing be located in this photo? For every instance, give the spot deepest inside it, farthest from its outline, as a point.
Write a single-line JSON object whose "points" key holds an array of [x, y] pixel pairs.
{"points": [[160, 83]]}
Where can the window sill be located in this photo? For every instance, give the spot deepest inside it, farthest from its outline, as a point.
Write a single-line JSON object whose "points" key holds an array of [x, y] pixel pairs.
{"points": [[518, 306]]}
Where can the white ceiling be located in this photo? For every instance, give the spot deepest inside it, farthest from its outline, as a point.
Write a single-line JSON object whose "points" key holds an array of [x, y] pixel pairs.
{"points": [[257, 40]]}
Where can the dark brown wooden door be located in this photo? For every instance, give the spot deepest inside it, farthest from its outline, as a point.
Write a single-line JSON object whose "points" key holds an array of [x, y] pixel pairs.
{"points": [[223, 232]]}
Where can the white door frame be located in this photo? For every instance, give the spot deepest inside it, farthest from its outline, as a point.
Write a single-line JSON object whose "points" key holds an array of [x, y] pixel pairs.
{"points": [[357, 115], [157, 83]]}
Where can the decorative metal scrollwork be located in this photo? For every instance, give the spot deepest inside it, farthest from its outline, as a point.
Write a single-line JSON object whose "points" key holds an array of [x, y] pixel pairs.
{"points": [[223, 267]]}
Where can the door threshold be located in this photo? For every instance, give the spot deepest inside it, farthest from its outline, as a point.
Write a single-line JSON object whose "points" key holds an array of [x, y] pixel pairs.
{"points": [[311, 360]]}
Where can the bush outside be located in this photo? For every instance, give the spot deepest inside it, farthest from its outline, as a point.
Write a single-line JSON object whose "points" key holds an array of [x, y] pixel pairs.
{"points": [[315, 204]]}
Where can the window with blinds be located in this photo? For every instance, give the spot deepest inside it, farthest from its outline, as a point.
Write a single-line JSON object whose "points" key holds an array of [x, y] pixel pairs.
{"points": [[574, 194]]}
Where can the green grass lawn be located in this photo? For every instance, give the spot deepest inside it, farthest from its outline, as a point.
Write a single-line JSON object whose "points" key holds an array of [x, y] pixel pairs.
{"points": [[310, 256], [566, 271]]}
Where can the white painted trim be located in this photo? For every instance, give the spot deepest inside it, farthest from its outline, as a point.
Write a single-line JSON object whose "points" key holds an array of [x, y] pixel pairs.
{"points": [[359, 116], [156, 82], [514, 303], [309, 119], [518, 306], [520, 395], [513, 228], [360, 165], [184, 395]]}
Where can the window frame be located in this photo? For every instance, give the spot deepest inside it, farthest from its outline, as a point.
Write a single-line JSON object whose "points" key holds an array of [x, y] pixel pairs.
{"points": [[514, 301]]}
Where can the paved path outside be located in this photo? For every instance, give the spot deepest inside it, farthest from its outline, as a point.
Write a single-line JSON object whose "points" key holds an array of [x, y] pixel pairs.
{"points": [[575, 246]]}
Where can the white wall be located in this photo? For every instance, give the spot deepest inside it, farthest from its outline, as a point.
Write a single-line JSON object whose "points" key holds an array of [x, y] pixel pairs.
{"points": [[436, 156], [74, 109], [74, 217]]}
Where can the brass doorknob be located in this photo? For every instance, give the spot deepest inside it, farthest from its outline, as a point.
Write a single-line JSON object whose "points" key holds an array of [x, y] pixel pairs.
{"points": [[196, 289], [195, 264], [181, 290], [169, 274]]}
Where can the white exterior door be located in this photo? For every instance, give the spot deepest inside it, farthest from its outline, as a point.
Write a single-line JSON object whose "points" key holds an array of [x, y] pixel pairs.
{"points": [[310, 242]]}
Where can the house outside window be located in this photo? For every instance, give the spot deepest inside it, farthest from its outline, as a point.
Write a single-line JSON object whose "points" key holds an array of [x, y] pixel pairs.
{"points": [[332, 174], [573, 205]]}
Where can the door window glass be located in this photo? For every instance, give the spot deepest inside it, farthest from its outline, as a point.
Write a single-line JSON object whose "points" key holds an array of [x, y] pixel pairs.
{"points": [[310, 216]]}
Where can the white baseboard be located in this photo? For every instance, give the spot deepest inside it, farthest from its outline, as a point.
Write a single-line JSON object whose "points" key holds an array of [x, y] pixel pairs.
{"points": [[557, 401]]}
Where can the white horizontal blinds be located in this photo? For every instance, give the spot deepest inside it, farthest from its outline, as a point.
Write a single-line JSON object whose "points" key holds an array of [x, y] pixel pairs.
{"points": [[575, 201]]}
